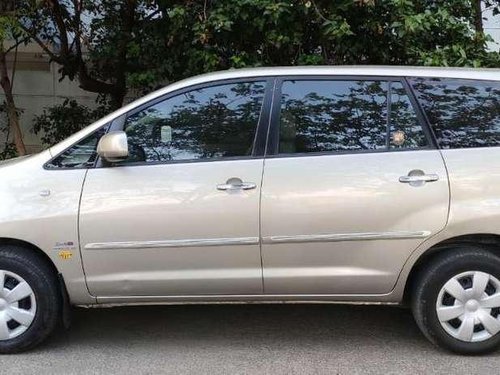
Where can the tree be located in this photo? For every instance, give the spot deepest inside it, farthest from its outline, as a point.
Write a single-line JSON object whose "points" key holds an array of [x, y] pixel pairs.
{"points": [[225, 34], [60, 121], [9, 29], [90, 40], [113, 47]]}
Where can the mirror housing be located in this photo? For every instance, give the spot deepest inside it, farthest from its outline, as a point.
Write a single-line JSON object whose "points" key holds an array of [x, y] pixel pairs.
{"points": [[113, 147]]}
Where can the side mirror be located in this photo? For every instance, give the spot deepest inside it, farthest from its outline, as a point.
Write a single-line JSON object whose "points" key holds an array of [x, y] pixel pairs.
{"points": [[113, 147]]}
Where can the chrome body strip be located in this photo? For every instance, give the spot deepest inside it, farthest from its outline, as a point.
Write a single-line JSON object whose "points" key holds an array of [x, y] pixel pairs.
{"points": [[255, 240], [369, 236], [173, 243]]}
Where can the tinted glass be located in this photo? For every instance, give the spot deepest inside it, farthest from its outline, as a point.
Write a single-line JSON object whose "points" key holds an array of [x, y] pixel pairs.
{"points": [[405, 129], [330, 116], [81, 155], [463, 113], [319, 116], [213, 122]]}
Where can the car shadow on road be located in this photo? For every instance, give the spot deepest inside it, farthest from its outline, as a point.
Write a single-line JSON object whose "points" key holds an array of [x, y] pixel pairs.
{"points": [[264, 325]]}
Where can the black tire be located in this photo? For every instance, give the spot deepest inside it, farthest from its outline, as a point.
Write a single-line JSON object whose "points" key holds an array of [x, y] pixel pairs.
{"points": [[40, 276], [429, 283]]}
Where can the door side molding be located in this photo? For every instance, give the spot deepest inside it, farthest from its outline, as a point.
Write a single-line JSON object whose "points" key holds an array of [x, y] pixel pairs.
{"points": [[338, 237], [172, 243]]}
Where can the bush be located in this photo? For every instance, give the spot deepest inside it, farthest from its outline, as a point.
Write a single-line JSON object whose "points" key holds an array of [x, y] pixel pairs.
{"points": [[60, 121], [9, 151]]}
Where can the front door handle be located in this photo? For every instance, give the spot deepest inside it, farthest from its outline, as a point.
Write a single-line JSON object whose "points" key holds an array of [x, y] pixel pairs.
{"points": [[418, 178], [236, 184]]}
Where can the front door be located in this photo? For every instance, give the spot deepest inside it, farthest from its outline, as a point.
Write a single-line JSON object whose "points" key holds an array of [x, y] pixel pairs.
{"points": [[352, 187], [180, 216]]}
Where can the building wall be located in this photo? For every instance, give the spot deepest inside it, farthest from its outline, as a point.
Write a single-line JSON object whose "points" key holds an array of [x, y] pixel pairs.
{"points": [[36, 86], [492, 27]]}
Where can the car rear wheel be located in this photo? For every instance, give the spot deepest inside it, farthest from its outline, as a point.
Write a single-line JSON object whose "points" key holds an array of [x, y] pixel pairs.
{"points": [[29, 299], [456, 300]]}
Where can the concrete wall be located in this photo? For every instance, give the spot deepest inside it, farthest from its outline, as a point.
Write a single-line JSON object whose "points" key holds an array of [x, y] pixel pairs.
{"points": [[492, 27], [36, 86]]}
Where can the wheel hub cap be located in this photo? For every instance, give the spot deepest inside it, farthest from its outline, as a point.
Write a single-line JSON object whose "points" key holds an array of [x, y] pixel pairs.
{"points": [[471, 305], [17, 305], [468, 306]]}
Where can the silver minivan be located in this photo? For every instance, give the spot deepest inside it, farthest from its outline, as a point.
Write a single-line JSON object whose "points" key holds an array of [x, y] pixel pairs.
{"points": [[332, 184]]}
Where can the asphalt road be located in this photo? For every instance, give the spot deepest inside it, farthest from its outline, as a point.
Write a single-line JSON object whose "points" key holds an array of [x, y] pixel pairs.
{"points": [[243, 339]]}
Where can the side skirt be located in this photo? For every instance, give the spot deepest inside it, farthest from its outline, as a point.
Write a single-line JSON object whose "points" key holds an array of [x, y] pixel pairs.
{"points": [[383, 299]]}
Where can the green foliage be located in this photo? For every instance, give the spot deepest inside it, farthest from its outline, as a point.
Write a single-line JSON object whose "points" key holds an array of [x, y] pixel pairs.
{"points": [[7, 148], [145, 43], [136, 46], [60, 121], [8, 152], [204, 36], [117, 46]]}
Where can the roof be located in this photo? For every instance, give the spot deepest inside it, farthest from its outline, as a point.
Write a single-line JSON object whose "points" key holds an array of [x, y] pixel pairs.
{"points": [[367, 70]]}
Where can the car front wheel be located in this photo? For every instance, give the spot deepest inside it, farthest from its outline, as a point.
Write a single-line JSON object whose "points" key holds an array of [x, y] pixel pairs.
{"points": [[29, 299]]}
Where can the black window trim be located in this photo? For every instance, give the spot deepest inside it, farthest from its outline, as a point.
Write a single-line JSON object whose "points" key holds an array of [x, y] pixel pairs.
{"points": [[259, 142], [422, 116], [107, 127], [272, 149]]}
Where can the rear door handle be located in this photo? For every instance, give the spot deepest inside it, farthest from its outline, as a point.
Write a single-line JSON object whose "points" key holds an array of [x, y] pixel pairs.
{"points": [[236, 184], [417, 178]]}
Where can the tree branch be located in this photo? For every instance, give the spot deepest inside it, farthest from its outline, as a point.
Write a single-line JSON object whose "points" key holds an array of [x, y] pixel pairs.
{"points": [[17, 43], [42, 45], [478, 17], [61, 26]]}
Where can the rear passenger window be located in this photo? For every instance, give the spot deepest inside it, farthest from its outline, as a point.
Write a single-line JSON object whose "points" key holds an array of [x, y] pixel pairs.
{"points": [[336, 116], [463, 113]]}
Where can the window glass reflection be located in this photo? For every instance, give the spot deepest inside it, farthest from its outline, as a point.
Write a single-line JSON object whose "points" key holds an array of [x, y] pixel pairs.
{"points": [[81, 155], [405, 129], [335, 116], [211, 122], [463, 113]]}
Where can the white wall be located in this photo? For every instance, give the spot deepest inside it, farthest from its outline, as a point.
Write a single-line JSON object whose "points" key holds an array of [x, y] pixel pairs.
{"points": [[36, 86], [492, 27]]}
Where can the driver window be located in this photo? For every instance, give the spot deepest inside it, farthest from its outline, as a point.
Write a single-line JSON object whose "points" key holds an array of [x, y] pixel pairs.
{"points": [[212, 122]]}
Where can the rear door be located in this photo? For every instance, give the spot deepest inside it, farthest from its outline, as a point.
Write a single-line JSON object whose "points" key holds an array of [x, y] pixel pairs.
{"points": [[352, 185]]}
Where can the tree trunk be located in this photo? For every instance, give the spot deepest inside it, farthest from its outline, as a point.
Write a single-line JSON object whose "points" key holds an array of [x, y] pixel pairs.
{"points": [[116, 100], [478, 16], [12, 116]]}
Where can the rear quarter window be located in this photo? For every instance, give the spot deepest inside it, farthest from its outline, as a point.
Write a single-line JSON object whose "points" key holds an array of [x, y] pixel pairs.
{"points": [[463, 113]]}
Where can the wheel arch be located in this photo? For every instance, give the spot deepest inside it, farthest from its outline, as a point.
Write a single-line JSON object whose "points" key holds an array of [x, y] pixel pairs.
{"points": [[29, 246], [488, 241]]}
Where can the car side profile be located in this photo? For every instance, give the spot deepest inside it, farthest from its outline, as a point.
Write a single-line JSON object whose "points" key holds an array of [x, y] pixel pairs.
{"points": [[303, 184]]}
